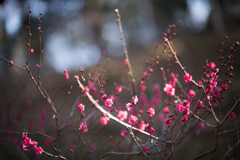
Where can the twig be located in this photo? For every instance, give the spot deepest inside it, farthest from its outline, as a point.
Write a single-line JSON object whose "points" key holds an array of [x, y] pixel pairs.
{"points": [[133, 136], [118, 153], [40, 45], [211, 150], [29, 33], [13, 63], [126, 53], [231, 110], [45, 96], [230, 149], [57, 156]]}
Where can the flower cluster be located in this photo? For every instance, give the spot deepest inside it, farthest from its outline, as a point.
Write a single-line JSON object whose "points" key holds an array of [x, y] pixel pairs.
{"points": [[30, 145], [83, 127]]}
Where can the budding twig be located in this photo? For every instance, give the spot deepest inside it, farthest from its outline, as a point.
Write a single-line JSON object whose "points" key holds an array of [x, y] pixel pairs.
{"points": [[126, 53], [44, 95], [13, 63]]}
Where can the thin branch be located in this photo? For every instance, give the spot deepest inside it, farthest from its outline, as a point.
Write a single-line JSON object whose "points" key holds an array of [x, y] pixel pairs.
{"points": [[57, 156], [118, 153], [29, 33], [231, 110], [230, 149], [135, 140], [126, 53], [13, 63], [45, 96], [211, 150], [40, 45]]}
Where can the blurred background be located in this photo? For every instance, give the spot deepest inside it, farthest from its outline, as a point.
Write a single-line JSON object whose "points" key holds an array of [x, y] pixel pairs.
{"points": [[75, 32]]}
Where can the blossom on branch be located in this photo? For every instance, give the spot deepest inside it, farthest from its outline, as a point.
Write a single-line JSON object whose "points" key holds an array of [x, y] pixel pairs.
{"points": [[191, 93], [134, 100], [188, 77], [39, 150], [151, 112], [81, 107], [104, 120], [133, 119], [109, 102], [169, 89], [83, 127], [124, 133], [122, 115]]}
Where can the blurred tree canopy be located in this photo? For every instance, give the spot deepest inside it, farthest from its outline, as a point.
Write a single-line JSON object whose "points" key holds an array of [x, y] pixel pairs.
{"points": [[83, 28]]}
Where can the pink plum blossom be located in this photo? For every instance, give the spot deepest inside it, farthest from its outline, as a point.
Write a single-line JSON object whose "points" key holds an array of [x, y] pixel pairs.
{"points": [[27, 141], [104, 97], [34, 144], [166, 110], [188, 77], [180, 107], [104, 120], [109, 102], [24, 147], [145, 149], [124, 133], [122, 115], [133, 119], [81, 107], [151, 130], [142, 126], [10, 63], [184, 119], [119, 89], [169, 89], [83, 127], [128, 106], [134, 100], [191, 93], [231, 115], [168, 122], [212, 65], [39, 150], [151, 112]]}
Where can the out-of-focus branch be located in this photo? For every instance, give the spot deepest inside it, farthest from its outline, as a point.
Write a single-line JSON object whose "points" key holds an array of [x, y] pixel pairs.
{"points": [[118, 153], [211, 150], [12, 63], [231, 110], [230, 149]]}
